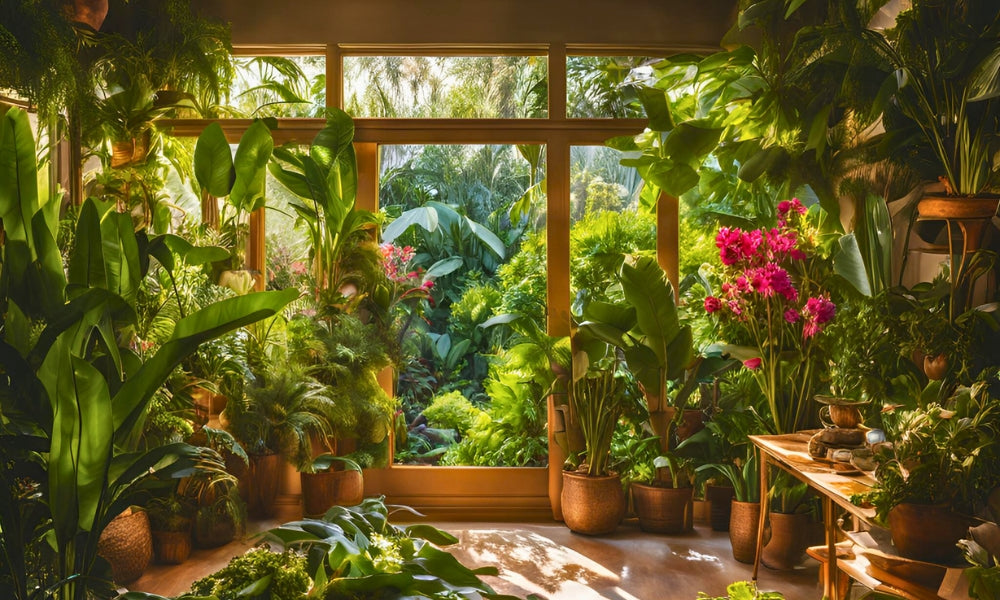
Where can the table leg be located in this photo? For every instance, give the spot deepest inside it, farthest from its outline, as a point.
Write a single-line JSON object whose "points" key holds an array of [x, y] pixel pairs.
{"points": [[832, 572], [763, 512]]}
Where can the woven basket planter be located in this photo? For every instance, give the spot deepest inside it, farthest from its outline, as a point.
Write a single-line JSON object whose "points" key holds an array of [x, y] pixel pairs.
{"points": [[127, 544], [592, 505]]}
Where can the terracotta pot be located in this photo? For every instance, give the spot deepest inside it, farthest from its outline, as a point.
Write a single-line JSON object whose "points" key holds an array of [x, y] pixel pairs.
{"points": [[692, 421], [789, 539], [172, 547], [129, 152], [927, 532], [957, 207], [213, 529], [838, 415], [259, 487], [663, 509], [91, 12], [935, 367], [720, 499], [743, 520], [592, 505], [322, 490], [127, 544]]}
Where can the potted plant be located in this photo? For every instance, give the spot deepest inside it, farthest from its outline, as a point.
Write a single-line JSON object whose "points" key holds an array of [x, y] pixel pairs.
{"points": [[278, 416], [940, 64], [666, 506], [657, 349], [744, 516], [942, 463], [593, 501], [789, 521], [170, 519], [323, 486]]}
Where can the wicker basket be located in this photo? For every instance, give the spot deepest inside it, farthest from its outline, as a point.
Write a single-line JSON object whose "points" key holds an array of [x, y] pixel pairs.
{"points": [[127, 545]]}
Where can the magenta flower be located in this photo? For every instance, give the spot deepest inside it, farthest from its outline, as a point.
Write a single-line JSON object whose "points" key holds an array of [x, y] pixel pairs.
{"points": [[712, 304], [752, 363], [820, 310], [792, 315]]}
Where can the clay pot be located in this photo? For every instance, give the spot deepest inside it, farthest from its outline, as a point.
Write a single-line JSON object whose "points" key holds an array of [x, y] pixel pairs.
{"points": [[720, 499], [322, 490], [663, 509], [935, 367], [789, 539], [172, 547], [592, 505], [259, 487], [927, 532], [130, 151], [91, 12], [743, 520], [840, 415]]}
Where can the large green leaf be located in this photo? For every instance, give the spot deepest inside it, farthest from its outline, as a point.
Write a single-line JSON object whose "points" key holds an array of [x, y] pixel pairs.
{"points": [[849, 264], [51, 278], [191, 331], [121, 255], [334, 139], [213, 162], [654, 101], [86, 262], [691, 141], [647, 288], [252, 155], [18, 175], [81, 439], [487, 237], [424, 217]]}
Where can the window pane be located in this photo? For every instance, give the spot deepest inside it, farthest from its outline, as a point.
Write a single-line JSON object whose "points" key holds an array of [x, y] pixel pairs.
{"points": [[480, 87], [465, 242], [607, 222], [604, 86], [279, 86]]}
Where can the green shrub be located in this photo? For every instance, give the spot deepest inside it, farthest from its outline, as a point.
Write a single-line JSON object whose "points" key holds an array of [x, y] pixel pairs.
{"points": [[452, 411], [286, 570]]}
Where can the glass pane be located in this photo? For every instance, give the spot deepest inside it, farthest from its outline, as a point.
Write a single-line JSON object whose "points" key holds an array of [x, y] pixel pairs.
{"points": [[279, 86], [607, 222], [479, 87], [604, 86], [464, 241]]}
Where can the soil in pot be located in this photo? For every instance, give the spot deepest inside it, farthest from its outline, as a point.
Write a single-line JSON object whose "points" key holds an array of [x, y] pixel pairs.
{"points": [[592, 505], [789, 539], [720, 504], [927, 532], [663, 509], [743, 521]]}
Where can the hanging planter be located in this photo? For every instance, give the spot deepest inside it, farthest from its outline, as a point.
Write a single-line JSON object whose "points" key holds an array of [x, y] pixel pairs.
{"points": [[129, 152], [90, 12]]}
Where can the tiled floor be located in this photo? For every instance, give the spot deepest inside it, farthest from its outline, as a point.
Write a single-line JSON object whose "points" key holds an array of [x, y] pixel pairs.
{"points": [[548, 560]]}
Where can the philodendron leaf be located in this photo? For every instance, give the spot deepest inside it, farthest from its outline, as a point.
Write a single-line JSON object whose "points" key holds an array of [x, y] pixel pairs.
{"points": [[213, 162], [654, 101], [250, 163]]}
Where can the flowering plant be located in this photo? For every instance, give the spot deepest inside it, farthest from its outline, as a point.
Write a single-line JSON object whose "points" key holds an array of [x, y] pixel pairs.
{"points": [[406, 286], [771, 300]]}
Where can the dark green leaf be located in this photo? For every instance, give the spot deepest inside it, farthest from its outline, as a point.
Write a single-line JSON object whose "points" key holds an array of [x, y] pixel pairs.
{"points": [[213, 162]]}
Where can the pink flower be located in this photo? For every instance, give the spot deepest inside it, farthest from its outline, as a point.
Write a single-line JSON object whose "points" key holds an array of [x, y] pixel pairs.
{"points": [[810, 328], [792, 315], [787, 206], [298, 267], [820, 310], [752, 363], [712, 304], [427, 285], [734, 307]]}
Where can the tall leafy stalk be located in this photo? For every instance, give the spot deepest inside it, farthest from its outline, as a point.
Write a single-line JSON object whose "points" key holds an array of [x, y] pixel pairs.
{"points": [[597, 401]]}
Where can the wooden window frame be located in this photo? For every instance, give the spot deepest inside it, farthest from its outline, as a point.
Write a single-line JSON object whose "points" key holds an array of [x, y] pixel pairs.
{"points": [[500, 493]]}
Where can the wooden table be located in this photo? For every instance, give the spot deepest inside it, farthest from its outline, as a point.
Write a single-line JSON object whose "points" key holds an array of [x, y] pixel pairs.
{"points": [[789, 452]]}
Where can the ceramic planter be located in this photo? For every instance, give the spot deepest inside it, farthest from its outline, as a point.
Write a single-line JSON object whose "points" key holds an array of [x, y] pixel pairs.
{"points": [[592, 505], [789, 539], [322, 490], [927, 532], [663, 509]]}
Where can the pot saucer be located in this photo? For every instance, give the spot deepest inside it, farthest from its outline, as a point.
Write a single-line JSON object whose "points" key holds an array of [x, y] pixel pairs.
{"points": [[839, 401]]}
